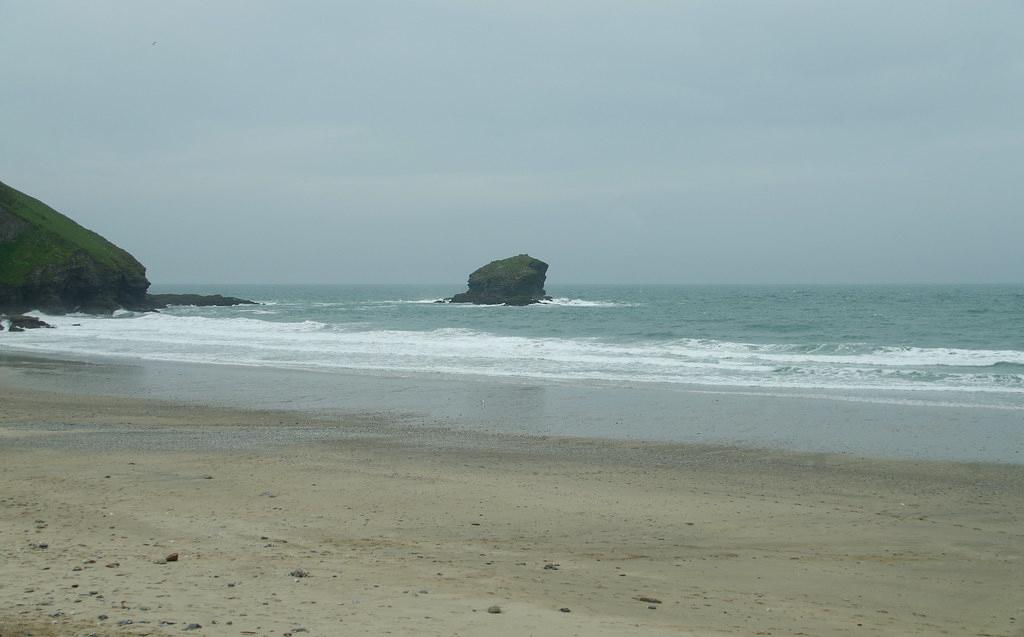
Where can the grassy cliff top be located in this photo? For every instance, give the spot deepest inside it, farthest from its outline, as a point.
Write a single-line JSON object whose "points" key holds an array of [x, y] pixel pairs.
{"points": [[508, 269], [50, 238]]}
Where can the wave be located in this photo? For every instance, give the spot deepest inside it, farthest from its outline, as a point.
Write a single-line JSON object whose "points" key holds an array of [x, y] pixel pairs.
{"points": [[566, 302], [852, 353], [310, 344]]}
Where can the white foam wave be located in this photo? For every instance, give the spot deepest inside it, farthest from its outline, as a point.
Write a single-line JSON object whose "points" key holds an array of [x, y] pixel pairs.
{"points": [[318, 345], [846, 354], [567, 302]]}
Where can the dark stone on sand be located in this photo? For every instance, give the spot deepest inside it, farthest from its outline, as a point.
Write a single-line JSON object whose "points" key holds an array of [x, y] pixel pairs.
{"points": [[494, 610], [173, 557], [517, 280]]}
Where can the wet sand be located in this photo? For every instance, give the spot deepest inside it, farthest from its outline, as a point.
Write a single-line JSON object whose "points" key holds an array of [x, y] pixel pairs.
{"points": [[416, 532]]}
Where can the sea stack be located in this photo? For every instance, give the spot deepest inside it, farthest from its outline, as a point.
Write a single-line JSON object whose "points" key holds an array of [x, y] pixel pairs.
{"points": [[517, 280]]}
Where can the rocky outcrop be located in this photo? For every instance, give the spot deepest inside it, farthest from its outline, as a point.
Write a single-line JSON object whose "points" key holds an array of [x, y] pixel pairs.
{"points": [[20, 323], [517, 280], [160, 301], [49, 262]]}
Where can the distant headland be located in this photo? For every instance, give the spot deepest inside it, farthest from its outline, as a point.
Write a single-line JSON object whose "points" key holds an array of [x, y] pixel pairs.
{"points": [[50, 263]]}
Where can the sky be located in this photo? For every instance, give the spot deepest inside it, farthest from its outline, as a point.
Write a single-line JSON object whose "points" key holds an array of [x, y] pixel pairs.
{"points": [[622, 142]]}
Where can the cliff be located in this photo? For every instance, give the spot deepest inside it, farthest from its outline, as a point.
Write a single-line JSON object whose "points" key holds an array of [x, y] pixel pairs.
{"points": [[49, 262], [517, 280]]}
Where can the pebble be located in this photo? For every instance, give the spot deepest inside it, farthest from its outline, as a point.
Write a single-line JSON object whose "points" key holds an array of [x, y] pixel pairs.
{"points": [[192, 627], [173, 557], [299, 573], [565, 609], [494, 610]]}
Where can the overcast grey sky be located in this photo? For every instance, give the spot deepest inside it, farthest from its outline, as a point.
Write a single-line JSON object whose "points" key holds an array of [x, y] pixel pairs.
{"points": [[639, 141]]}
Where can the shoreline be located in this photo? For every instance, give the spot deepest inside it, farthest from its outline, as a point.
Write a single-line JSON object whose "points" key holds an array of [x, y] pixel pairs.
{"points": [[730, 417], [419, 531]]}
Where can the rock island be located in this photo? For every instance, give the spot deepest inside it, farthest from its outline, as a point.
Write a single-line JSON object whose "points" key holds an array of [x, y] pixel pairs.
{"points": [[517, 280]]}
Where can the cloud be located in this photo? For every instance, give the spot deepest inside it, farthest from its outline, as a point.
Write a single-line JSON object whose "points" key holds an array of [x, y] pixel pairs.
{"points": [[414, 127]]}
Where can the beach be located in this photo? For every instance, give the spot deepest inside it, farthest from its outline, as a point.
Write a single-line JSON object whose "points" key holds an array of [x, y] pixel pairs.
{"points": [[511, 319], [287, 522]]}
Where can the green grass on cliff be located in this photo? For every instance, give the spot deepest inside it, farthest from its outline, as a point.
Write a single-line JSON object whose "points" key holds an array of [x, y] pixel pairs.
{"points": [[504, 269], [51, 238]]}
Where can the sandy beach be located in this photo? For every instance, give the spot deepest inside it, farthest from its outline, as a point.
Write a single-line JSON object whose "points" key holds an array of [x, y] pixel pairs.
{"points": [[384, 531]]}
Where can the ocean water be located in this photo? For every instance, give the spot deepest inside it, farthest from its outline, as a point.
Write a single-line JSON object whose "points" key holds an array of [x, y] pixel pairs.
{"points": [[934, 372], [934, 343]]}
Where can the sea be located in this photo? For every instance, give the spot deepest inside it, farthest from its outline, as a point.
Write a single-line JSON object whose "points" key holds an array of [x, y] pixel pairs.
{"points": [[658, 362]]}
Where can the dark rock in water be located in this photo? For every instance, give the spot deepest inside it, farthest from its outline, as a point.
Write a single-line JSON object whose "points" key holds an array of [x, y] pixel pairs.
{"points": [[27, 322], [160, 301], [49, 262], [516, 280], [20, 323]]}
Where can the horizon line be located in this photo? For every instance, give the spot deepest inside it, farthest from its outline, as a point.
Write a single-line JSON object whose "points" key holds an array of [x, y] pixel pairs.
{"points": [[627, 283]]}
